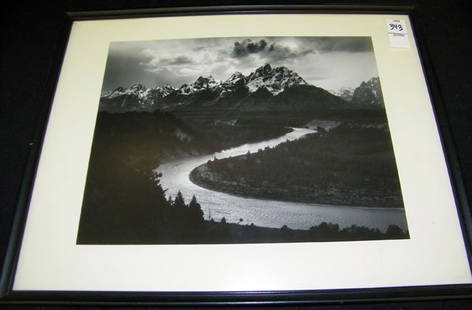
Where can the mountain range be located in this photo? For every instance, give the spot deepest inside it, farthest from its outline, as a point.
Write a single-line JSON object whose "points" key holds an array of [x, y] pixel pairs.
{"points": [[367, 93], [267, 88]]}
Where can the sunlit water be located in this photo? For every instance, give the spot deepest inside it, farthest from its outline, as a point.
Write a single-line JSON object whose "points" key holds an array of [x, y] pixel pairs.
{"points": [[268, 213]]}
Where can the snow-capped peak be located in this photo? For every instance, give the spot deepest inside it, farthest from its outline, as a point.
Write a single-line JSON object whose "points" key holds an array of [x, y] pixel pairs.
{"points": [[201, 83], [261, 71], [115, 93], [235, 77], [205, 82], [137, 87], [275, 80], [163, 91]]}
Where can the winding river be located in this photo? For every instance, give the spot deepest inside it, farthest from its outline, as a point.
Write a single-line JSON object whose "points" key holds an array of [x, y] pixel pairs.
{"points": [[268, 213]]}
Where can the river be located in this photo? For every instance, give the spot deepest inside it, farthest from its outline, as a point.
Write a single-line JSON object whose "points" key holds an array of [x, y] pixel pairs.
{"points": [[268, 213]]}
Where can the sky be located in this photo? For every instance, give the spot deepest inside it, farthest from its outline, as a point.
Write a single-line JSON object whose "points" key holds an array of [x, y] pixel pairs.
{"points": [[328, 62]]}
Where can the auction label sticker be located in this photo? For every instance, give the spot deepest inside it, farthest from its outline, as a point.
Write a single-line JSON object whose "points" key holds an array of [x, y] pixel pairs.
{"points": [[397, 33]]}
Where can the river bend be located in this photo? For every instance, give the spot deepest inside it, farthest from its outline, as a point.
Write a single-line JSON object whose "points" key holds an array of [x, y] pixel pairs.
{"points": [[268, 213]]}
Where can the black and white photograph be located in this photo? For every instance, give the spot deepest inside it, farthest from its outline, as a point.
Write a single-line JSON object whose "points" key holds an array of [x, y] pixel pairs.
{"points": [[241, 140]]}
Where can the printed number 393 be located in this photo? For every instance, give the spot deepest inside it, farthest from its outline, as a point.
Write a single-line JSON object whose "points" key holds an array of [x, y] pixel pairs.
{"points": [[396, 27]]}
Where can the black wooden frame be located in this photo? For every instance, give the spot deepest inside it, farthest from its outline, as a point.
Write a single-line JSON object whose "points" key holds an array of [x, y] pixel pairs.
{"points": [[417, 293]]}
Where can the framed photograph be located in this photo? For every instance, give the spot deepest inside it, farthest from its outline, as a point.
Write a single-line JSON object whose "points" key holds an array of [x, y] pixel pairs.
{"points": [[230, 155]]}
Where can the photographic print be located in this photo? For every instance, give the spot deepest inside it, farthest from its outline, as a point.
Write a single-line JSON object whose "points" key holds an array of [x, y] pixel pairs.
{"points": [[241, 140]]}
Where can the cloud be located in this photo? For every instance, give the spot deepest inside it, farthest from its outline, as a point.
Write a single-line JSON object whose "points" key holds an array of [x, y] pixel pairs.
{"points": [[182, 61], [271, 51], [246, 47], [343, 44], [153, 63], [179, 60], [278, 52]]}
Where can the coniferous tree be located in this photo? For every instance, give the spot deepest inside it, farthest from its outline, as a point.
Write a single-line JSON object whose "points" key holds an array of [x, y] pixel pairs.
{"points": [[193, 203], [179, 201], [195, 211]]}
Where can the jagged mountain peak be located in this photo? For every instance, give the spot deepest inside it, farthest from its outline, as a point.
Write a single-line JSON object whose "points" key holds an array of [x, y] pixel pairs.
{"points": [[161, 92], [373, 82], [167, 86], [344, 93], [369, 93], [137, 87], [118, 89], [204, 81], [264, 69], [237, 78], [201, 83], [268, 70], [273, 79]]}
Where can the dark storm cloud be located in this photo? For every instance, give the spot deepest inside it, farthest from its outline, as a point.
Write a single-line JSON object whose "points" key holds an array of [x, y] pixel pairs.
{"points": [[344, 44], [272, 51], [246, 47]]}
